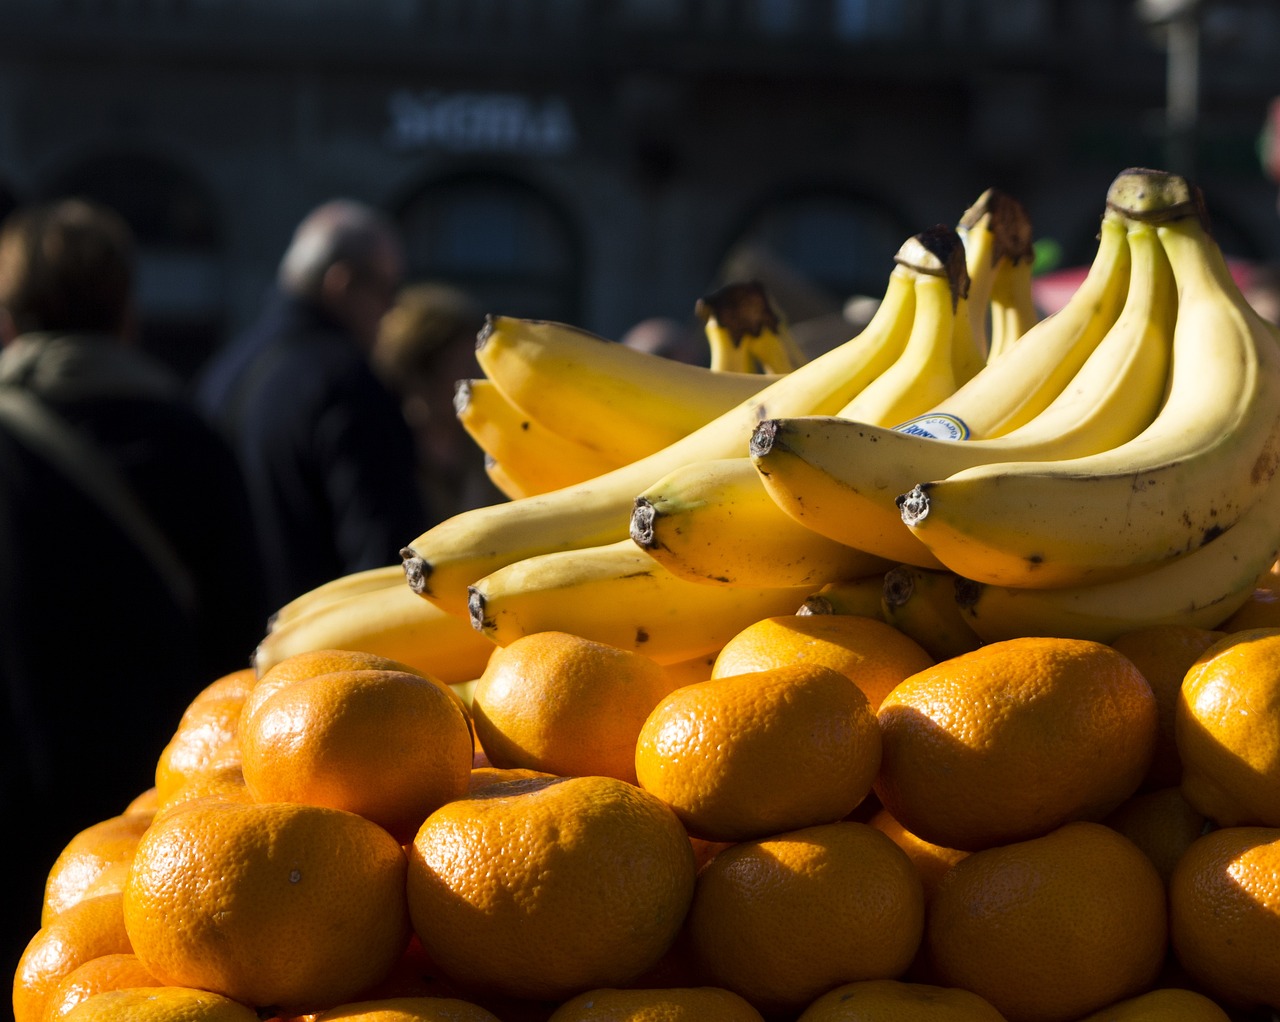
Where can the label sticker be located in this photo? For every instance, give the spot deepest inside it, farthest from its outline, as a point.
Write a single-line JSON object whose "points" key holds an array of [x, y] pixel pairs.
{"points": [[936, 427]]}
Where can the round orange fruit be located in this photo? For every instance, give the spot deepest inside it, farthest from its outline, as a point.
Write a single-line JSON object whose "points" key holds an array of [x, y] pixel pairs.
{"points": [[408, 1009], [542, 888], [1014, 739], [160, 1004], [106, 972], [892, 1000], [1167, 1004], [746, 755], [87, 856], [669, 1004]]}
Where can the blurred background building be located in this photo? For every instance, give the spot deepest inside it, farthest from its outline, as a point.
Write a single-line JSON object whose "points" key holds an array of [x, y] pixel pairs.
{"points": [[603, 162]]}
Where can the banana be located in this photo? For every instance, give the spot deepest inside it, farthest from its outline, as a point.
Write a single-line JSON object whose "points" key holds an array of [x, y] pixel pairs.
{"points": [[996, 232], [623, 403], [1197, 469], [1013, 307], [509, 483], [842, 479], [860, 596], [713, 521], [546, 460], [442, 562], [1202, 589], [922, 605], [337, 589], [391, 621], [746, 332], [940, 350], [617, 594]]}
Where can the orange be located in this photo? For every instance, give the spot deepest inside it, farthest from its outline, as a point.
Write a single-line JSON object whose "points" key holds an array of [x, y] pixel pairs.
{"points": [[222, 778], [1260, 610], [1014, 739], [875, 656], [1164, 654], [408, 1009], [566, 705], [671, 1004], [388, 745], [931, 861], [785, 918], [1170, 1004], [88, 929], [891, 1000], [1051, 928], [545, 887], [235, 685], [146, 802], [204, 739], [747, 755], [281, 906], [160, 1004], [1228, 730], [106, 972], [86, 856], [1162, 823], [1224, 912], [483, 776]]}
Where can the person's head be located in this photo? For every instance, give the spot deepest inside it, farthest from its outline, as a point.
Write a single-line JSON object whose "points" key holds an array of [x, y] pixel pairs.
{"points": [[346, 258], [66, 266]]}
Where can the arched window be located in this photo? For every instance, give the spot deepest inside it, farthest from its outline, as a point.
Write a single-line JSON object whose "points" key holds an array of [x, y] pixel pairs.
{"points": [[181, 298], [505, 242]]}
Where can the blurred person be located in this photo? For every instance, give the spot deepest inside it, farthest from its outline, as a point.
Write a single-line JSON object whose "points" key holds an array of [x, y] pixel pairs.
{"points": [[326, 452], [425, 345], [127, 559]]}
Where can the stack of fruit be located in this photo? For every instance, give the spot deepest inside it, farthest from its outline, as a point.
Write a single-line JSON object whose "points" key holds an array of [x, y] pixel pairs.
{"points": [[937, 677]]}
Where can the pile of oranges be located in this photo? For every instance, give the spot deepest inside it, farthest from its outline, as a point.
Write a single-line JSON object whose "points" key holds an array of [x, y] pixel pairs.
{"points": [[824, 825]]}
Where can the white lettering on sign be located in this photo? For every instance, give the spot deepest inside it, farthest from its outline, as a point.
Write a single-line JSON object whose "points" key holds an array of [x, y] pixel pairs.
{"points": [[480, 121]]}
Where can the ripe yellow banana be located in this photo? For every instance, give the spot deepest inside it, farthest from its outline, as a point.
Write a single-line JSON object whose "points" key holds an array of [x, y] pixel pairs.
{"points": [[1198, 468], [390, 620], [622, 402], [921, 604], [996, 232], [1202, 589], [338, 589], [545, 460], [713, 522], [442, 562], [940, 350], [617, 594], [1013, 307], [746, 332], [842, 479], [860, 596]]}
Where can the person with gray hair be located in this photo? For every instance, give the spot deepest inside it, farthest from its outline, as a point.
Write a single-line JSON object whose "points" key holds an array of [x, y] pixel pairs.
{"points": [[327, 454]]}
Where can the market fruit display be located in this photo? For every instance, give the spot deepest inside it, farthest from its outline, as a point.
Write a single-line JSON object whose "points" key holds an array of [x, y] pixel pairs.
{"points": [[934, 677]]}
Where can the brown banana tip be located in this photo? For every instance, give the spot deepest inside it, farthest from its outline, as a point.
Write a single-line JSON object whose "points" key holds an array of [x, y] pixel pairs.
{"points": [[416, 570], [642, 518], [913, 505], [815, 605], [967, 592], [763, 437], [742, 308], [461, 396], [475, 608], [486, 331], [899, 584]]}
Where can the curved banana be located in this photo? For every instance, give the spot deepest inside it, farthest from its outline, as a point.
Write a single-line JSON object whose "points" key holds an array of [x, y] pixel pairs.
{"points": [[1202, 589], [617, 594], [713, 522], [939, 351], [859, 596], [921, 604], [1013, 307], [842, 479], [996, 232], [546, 460], [391, 621], [509, 483], [442, 562], [1199, 467], [1010, 391], [746, 332], [606, 396], [337, 589]]}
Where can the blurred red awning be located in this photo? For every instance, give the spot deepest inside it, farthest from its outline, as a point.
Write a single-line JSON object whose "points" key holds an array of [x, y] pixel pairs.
{"points": [[1051, 290]]}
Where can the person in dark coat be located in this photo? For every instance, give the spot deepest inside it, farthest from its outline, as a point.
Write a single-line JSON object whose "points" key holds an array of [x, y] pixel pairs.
{"points": [[328, 456], [129, 575]]}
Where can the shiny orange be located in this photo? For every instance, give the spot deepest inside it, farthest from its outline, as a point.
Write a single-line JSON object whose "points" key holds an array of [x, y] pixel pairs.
{"points": [[543, 888], [873, 655], [785, 918], [1014, 739], [106, 972], [671, 1004], [931, 861], [563, 704], [892, 1000], [390, 746], [292, 907], [1224, 911], [747, 755], [408, 1009], [1227, 726], [86, 856], [160, 1004], [1051, 928]]}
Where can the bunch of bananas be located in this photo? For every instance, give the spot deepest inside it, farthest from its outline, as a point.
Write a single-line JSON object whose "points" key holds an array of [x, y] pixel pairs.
{"points": [[960, 467]]}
